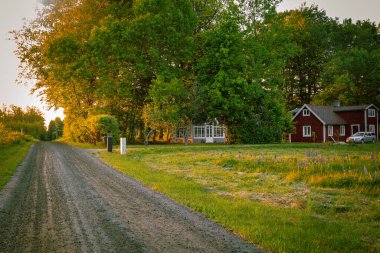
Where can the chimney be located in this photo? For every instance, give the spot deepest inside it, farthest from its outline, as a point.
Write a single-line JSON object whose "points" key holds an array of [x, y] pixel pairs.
{"points": [[336, 103]]}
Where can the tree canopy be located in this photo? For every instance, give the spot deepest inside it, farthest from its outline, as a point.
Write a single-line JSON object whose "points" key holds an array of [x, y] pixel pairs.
{"points": [[167, 63]]}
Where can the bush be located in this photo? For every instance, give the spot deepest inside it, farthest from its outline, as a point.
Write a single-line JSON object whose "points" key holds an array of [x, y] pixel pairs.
{"points": [[102, 125], [7, 137]]}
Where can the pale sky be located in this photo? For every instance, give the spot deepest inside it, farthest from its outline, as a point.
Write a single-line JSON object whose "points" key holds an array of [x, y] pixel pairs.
{"points": [[13, 13]]}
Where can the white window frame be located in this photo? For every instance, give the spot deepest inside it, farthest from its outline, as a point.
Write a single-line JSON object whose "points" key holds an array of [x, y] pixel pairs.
{"points": [[352, 128], [330, 130], [199, 132], [342, 130], [371, 128], [305, 112], [219, 132], [306, 131], [371, 113]]}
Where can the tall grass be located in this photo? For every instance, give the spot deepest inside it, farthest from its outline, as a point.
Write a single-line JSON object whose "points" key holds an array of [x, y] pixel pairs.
{"points": [[286, 198]]}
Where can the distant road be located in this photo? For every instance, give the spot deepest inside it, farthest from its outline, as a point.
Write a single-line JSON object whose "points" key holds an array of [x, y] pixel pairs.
{"points": [[63, 199]]}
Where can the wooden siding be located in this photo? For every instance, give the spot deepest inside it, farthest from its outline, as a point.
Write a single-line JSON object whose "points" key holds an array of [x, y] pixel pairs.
{"points": [[316, 129], [353, 118]]}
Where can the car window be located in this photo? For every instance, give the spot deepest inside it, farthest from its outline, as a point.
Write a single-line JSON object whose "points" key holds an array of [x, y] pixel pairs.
{"points": [[358, 134]]}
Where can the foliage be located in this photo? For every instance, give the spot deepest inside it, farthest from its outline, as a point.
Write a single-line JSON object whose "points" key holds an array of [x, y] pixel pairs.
{"points": [[90, 130], [272, 195], [169, 104], [55, 129], [101, 56], [163, 64], [18, 121], [353, 73], [310, 32], [102, 125], [233, 82]]}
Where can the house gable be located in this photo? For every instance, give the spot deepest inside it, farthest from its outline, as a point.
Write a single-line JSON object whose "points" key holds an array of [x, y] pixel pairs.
{"points": [[305, 106]]}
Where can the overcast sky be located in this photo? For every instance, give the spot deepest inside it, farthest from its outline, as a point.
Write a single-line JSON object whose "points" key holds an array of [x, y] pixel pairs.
{"points": [[14, 12]]}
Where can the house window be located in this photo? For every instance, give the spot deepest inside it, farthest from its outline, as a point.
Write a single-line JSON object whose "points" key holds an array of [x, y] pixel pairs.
{"points": [[199, 131], [342, 130], [218, 131], [371, 112], [306, 131], [305, 112], [371, 128], [331, 130]]}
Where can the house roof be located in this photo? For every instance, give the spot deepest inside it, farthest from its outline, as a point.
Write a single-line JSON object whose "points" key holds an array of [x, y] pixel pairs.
{"points": [[350, 108], [327, 114]]}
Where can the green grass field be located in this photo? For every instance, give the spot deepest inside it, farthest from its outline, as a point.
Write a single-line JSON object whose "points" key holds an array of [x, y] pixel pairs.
{"points": [[285, 198], [10, 157]]}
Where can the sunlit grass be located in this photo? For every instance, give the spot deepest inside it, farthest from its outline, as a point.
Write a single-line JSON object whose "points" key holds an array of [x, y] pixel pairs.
{"points": [[286, 198], [10, 157]]}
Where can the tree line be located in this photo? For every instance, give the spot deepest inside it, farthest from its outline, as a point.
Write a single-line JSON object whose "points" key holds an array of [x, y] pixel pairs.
{"points": [[165, 64], [16, 122]]}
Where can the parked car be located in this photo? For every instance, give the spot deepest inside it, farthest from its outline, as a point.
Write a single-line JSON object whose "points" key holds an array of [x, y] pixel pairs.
{"points": [[361, 137]]}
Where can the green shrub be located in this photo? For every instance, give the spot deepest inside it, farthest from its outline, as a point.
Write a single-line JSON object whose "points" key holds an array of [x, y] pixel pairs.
{"points": [[102, 125]]}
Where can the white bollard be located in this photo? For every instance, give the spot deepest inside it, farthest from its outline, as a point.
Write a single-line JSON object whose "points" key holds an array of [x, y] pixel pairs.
{"points": [[123, 146]]}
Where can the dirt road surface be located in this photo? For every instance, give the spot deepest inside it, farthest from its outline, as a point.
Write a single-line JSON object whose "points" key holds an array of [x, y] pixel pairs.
{"points": [[63, 199]]}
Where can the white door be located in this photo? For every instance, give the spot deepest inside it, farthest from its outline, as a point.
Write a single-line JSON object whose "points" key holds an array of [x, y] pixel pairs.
{"points": [[209, 134]]}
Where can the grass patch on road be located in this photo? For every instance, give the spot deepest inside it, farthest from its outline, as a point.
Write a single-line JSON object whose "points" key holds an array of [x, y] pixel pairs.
{"points": [[10, 157], [285, 198]]}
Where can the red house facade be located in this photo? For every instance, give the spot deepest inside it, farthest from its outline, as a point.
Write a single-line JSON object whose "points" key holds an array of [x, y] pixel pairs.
{"points": [[316, 123]]}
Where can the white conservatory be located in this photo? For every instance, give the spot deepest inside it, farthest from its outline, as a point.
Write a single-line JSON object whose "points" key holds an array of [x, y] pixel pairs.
{"points": [[204, 133]]}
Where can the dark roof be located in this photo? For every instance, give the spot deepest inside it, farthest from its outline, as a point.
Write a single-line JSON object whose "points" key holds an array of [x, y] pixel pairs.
{"points": [[327, 114], [350, 108]]}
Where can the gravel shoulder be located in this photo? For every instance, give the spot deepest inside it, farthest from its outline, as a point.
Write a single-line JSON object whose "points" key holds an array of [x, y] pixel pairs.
{"points": [[62, 199]]}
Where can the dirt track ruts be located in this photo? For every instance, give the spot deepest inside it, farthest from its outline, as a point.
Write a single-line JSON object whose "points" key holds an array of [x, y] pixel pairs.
{"points": [[63, 199]]}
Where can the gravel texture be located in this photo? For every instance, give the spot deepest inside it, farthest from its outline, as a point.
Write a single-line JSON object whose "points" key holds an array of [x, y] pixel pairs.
{"points": [[63, 199]]}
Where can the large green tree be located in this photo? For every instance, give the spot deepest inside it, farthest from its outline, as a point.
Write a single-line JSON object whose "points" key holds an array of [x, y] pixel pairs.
{"points": [[92, 57], [238, 74], [310, 31], [353, 73]]}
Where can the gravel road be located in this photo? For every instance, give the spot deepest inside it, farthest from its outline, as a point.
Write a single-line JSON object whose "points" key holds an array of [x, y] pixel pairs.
{"points": [[63, 199]]}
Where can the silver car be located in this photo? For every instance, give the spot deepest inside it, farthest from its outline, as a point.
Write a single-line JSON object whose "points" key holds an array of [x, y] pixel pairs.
{"points": [[361, 137]]}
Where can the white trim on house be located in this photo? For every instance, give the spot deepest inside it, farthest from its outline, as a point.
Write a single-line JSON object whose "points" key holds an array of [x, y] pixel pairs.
{"points": [[377, 125], [365, 120], [373, 114], [372, 105], [306, 131], [372, 129], [342, 131], [330, 131], [324, 133], [305, 106], [306, 112], [352, 128]]}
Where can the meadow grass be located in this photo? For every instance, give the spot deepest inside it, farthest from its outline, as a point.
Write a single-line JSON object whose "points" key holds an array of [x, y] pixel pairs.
{"points": [[10, 157], [285, 198]]}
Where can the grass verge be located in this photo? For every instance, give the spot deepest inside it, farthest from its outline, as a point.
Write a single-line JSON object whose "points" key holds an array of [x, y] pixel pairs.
{"points": [[10, 157], [251, 191]]}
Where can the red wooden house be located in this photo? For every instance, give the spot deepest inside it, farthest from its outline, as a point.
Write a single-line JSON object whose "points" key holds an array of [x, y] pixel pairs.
{"points": [[315, 123]]}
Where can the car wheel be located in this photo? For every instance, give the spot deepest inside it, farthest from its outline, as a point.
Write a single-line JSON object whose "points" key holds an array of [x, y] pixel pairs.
{"points": [[362, 141]]}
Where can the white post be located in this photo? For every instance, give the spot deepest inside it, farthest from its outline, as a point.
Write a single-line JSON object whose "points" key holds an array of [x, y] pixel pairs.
{"points": [[123, 146]]}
